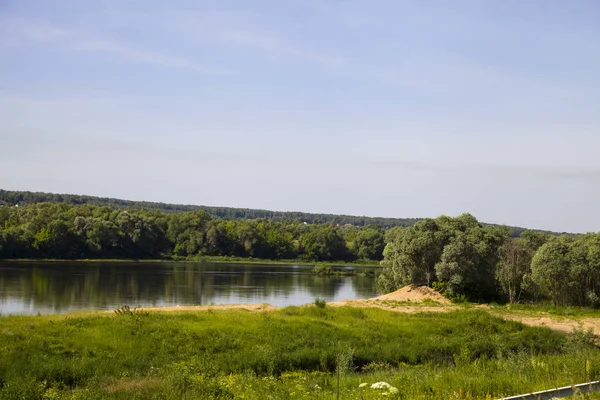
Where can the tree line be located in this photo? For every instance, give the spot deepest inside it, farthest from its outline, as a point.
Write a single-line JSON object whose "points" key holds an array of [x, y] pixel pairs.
{"points": [[12, 198], [65, 231], [468, 260]]}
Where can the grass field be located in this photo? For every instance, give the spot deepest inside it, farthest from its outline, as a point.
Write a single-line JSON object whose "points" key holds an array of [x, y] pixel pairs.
{"points": [[292, 353]]}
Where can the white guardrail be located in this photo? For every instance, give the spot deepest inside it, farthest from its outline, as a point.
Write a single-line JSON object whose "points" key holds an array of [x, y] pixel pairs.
{"points": [[557, 393]]}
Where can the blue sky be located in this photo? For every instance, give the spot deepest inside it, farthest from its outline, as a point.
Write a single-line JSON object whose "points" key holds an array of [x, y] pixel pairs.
{"points": [[379, 108]]}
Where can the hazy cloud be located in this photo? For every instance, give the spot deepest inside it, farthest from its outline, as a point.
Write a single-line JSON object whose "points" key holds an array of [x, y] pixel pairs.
{"points": [[65, 39]]}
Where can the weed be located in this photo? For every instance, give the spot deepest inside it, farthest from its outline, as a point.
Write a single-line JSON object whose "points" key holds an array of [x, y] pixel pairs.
{"points": [[580, 337], [125, 310], [377, 366], [320, 303]]}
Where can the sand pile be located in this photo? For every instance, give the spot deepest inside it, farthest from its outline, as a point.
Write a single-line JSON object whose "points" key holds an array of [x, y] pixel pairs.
{"points": [[414, 293]]}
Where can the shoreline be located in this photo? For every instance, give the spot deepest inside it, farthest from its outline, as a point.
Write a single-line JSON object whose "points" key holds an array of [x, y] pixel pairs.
{"points": [[208, 259], [562, 324]]}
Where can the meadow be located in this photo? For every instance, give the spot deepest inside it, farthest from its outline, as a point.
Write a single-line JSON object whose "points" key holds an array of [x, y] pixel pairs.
{"points": [[292, 353]]}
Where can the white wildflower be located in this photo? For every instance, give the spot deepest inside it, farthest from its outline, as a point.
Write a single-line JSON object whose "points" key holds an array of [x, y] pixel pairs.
{"points": [[381, 386], [362, 385]]}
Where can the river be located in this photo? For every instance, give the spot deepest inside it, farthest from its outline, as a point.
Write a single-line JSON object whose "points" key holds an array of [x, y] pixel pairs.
{"points": [[59, 287]]}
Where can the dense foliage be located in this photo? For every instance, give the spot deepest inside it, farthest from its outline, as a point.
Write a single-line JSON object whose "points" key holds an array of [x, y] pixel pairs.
{"points": [[24, 198], [567, 270], [46, 230], [457, 254], [11, 198], [292, 353], [468, 260]]}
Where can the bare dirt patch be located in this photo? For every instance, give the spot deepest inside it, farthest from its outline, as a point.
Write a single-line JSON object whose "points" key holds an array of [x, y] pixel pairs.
{"points": [[558, 324], [393, 306], [245, 307]]}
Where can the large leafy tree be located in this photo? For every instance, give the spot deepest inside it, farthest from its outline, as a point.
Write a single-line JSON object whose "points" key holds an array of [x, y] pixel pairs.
{"points": [[468, 263], [551, 268], [411, 254], [458, 253]]}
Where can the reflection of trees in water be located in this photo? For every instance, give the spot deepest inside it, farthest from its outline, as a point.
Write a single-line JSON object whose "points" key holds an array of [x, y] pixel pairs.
{"points": [[205, 282], [102, 285], [323, 285], [364, 286]]}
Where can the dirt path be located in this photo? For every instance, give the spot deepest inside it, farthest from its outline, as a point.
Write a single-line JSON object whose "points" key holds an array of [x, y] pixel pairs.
{"points": [[564, 325], [396, 306]]}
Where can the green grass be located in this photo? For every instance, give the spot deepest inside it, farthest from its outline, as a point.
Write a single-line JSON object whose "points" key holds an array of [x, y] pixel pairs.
{"points": [[292, 353]]}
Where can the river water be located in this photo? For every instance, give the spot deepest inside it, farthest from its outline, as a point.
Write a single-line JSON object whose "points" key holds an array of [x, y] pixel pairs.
{"points": [[59, 287]]}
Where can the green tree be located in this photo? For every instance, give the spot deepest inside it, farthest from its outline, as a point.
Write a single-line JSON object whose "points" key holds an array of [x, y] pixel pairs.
{"points": [[368, 244], [185, 232], [550, 270], [323, 243], [584, 274], [411, 254], [593, 258], [514, 265], [458, 253], [468, 264]]}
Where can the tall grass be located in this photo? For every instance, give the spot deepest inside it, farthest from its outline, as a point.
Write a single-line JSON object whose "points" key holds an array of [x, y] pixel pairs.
{"points": [[291, 353]]}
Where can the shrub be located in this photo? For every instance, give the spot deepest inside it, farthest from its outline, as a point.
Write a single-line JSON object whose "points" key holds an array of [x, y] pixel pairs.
{"points": [[320, 303]]}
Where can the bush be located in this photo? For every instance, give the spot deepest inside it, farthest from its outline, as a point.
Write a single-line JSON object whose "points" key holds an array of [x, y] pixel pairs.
{"points": [[320, 303], [323, 269]]}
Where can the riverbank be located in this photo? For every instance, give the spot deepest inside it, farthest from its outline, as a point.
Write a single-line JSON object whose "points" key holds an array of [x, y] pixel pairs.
{"points": [[289, 353], [584, 321], [211, 259]]}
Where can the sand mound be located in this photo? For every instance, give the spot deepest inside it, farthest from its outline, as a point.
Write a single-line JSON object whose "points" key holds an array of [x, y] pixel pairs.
{"points": [[414, 293]]}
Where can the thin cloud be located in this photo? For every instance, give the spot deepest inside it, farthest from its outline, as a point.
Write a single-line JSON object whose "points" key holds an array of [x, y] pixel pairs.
{"points": [[19, 32], [147, 57], [242, 30], [273, 44]]}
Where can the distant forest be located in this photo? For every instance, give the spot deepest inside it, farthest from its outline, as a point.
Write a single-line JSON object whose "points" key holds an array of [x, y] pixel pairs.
{"points": [[12, 198], [22, 198], [66, 231]]}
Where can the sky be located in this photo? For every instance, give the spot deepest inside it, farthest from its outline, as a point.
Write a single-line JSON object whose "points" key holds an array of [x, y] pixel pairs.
{"points": [[386, 108]]}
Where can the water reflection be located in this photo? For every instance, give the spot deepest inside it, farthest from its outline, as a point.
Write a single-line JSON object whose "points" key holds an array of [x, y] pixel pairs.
{"points": [[55, 287]]}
